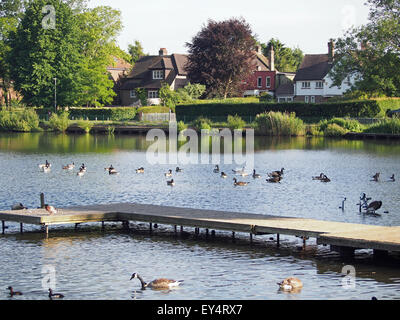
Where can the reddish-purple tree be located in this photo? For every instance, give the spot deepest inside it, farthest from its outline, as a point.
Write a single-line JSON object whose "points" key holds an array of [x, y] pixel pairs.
{"points": [[220, 57]]}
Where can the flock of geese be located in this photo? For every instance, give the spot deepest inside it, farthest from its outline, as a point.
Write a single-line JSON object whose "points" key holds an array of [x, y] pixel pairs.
{"points": [[288, 285]]}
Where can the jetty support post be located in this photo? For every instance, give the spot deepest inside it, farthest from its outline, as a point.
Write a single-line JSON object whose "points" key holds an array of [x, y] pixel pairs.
{"points": [[21, 227], [42, 204], [278, 240], [3, 226]]}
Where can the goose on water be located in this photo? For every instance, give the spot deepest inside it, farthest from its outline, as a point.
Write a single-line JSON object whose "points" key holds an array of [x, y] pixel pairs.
{"points": [[374, 206], [69, 166], [178, 169], [158, 283], [274, 179], [392, 178], [239, 183], [14, 293], [18, 206], [255, 175], [140, 170], [46, 165], [290, 284], [376, 177], [216, 169], [171, 183], [55, 295], [224, 175], [276, 173], [169, 173]]}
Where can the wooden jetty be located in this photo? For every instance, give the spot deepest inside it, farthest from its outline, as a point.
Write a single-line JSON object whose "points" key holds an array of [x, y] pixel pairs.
{"points": [[342, 237]]}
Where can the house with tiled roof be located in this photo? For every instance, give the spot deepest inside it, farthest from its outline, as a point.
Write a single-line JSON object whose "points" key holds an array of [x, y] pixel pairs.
{"points": [[117, 70], [263, 76], [312, 83], [150, 73]]}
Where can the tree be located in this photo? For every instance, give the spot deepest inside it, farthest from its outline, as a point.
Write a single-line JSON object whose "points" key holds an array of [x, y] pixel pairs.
{"points": [[136, 51], [220, 57], [286, 59], [371, 53]]}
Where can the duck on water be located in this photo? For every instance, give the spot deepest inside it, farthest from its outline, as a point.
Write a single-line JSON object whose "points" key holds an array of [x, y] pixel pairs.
{"points": [[160, 284]]}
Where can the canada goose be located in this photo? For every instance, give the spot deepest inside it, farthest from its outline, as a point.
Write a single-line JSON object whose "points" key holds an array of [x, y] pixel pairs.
{"points": [[171, 183], [14, 293], [178, 169], [111, 170], [81, 172], [325, 179], [276, 173], [242, 171], [216, 169], [55, 295], [69, 166], [320, 177], [82, 168], [169, 173], [255, 175], [342, 207], [46, 165], [140, 170], [224, 175], [392, 178], [374, 206], [50, 209], [276, 179], [18, 206], [290, 284], [376, 177], [239, 183], [158, 283]]}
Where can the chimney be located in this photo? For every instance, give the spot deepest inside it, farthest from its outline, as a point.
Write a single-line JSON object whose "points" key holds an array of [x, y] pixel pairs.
{"points": [[258, 49], [271, 57], [162, 52], [331, 50]]}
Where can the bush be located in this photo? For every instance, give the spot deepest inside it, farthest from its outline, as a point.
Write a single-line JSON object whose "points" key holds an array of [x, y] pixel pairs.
{"points": [[350, 125], [154, 109], [279, 124], [202, 123], [182, 126], [113, 114], [235, 122], [387, 126], [20, 120], [85, 125], [334, 130], [59, 122]]}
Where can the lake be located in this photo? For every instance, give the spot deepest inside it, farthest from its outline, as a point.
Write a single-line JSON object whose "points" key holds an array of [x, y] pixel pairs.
{"points": [[91, 264]]}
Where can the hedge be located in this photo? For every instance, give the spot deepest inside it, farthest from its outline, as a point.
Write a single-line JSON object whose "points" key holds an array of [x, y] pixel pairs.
{"points": [[351, 109]]}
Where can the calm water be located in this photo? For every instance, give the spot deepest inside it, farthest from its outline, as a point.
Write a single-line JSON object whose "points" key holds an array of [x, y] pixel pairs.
{"points": [[91, 264]]}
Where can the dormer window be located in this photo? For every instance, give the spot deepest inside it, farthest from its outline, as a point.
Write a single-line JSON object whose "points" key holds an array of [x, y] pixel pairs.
{"points": [[158, 74]]}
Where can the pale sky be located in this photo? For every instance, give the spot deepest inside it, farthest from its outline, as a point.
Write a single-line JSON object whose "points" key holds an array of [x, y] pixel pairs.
{"points": [[307, 24]]}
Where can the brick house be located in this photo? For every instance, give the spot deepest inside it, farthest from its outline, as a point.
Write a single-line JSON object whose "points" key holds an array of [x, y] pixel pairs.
{"points": [[150, 73], [118, 70], [263, 76]]}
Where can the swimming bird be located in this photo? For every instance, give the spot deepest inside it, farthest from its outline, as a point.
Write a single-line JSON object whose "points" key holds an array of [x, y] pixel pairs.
{"points": [[69, 166], [290, 284], [111, 170], [374, 206], [14, 293], [50, 209], [255, 175], [178, 169], [224, 175], [140, 170], [276, 179], [81, 172], [55, 295], [239, 183], [169, 173], [342, 207], [320, 177], [171, 183], [83, 168], [376, 177], [276, 173], [392, 178], [46, 165], [325, 179], [216, 169], [158, 283], [18, 206]]}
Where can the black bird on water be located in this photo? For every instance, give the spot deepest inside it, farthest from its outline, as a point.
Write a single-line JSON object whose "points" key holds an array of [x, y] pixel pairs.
{"points": [[374, 206], [55, 295], [14, 293]]}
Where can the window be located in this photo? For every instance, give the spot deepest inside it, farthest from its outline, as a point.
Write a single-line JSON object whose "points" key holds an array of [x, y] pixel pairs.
{"points": [[319, 85], [305, 85], [158, 74], [132, 94], [268, 82], [153, 94], [306, 99], [259, 82], [312, 99]]}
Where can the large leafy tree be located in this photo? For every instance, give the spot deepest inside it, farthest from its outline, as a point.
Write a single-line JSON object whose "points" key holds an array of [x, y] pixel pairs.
{"points": [[371, 53], [286, 59], [220, 56]]}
